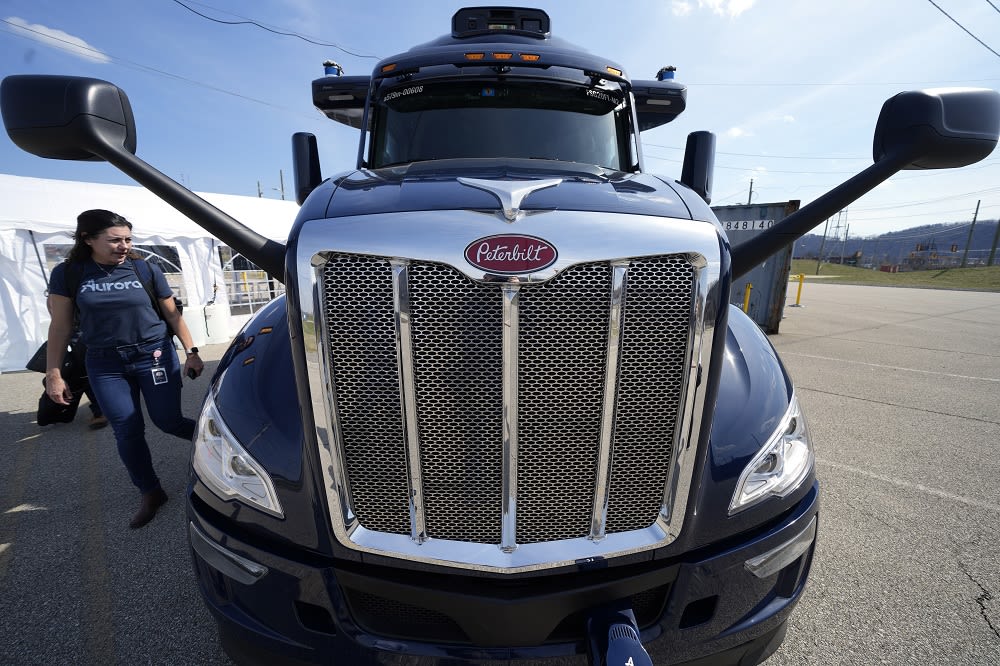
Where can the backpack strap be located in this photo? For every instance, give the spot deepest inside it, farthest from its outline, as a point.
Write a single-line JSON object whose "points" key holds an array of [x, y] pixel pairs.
{"points": [[73, 274], [147, 283]]}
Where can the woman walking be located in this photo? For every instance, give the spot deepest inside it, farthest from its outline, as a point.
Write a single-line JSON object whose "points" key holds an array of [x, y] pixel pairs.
{"points": [[130, 351]]}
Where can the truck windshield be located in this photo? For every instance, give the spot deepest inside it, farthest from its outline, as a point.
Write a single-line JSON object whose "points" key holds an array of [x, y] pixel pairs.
{"points": [[490, 119]]}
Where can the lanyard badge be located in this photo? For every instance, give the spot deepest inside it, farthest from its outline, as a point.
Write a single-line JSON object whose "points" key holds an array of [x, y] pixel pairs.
{"points": [[159, 374]]}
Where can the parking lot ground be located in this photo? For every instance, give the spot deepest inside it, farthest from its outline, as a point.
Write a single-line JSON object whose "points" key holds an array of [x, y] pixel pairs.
{"points": [[77, 586], [902, 393]]}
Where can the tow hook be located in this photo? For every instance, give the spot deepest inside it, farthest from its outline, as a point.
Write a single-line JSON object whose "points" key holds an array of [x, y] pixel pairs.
{"points": [[614, 638]]}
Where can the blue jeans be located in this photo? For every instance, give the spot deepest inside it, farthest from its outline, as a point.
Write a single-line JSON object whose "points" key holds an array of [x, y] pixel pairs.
{"points": [[117, 376]]}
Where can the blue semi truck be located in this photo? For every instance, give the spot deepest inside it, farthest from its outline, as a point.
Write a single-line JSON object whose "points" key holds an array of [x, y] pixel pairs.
{"points": [[504, 412]]}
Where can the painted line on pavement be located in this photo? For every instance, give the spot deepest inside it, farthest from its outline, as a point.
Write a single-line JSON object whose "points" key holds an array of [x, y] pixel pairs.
{"points": [[919, 487], [888, 367]]}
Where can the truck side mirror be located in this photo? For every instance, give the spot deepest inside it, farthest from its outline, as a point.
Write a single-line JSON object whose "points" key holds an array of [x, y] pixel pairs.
{"points": [[941, 128], [305, 160], [65, 117], [699, 164]]}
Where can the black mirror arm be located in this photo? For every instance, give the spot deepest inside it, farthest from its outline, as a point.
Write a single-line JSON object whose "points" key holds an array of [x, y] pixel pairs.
{"points": [[266, 253], [753, 252]]}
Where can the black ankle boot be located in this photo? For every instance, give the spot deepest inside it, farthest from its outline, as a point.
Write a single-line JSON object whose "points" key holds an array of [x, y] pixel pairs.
{"points": [[151, 501]]}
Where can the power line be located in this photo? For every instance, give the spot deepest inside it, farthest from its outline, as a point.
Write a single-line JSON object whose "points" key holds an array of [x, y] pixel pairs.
{"points": [[964, 28], [984, 164], [47, 38], [899, 177], [924, 234], [993, 6], [248, 21], [930, 201], [779, 157], [735, 168], [923, 215], [819, 84]]}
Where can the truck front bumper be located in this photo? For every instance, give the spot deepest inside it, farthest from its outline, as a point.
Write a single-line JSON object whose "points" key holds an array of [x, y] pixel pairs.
{"points": [[725, 605]]}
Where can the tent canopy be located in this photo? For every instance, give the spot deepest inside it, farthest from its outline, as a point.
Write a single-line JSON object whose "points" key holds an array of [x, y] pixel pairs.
{"points": [[44, 205]]}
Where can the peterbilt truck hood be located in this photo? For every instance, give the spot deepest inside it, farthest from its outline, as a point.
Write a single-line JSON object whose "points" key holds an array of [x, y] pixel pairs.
{"points": [[436, 186]]}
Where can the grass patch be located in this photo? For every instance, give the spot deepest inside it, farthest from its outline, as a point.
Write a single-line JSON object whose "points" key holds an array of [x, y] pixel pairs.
{"points": [[983, 278]]}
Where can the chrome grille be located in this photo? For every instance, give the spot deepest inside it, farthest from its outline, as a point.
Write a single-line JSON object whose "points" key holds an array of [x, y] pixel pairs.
{"points": [[457, 361]]}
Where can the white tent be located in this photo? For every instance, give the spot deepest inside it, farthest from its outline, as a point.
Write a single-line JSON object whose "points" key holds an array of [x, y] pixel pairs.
{"points": [[35, 212]]}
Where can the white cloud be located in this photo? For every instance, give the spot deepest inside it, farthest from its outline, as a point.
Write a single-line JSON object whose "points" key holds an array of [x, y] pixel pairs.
{"points": [[788, 118], [58, 39], [681, 8], [730, 8], [737, 133]]}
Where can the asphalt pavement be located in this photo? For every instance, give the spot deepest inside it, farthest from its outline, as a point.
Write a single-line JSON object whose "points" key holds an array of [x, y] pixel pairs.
{"points": [[902, 393], [901, 389], [77, 586]]}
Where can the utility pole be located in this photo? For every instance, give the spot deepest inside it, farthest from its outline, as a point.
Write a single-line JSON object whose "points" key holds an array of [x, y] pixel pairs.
{"points": [[260, 192], [843, 248], [968, 242], [750, 195], [836, 227], [281, 189], [993, 249], [819, 257], [875, 263]]}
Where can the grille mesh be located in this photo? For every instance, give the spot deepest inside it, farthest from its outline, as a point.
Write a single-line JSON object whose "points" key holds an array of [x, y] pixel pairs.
{"points": [[457, 361], [563, 342], [655, 330], [457, 334], [359, 318]]}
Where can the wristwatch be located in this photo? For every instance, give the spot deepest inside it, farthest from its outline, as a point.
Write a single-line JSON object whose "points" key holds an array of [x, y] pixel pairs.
{"points": [[193, 350]]}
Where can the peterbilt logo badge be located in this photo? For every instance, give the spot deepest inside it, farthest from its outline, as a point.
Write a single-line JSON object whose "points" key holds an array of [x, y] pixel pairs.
{"points": [[509, 254]]}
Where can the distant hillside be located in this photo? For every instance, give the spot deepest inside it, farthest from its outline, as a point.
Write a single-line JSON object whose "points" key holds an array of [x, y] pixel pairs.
{"points": [[896, 247]]}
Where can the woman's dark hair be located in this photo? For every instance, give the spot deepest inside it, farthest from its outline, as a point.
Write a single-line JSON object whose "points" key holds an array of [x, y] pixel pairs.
{"points": [[90, 223]]}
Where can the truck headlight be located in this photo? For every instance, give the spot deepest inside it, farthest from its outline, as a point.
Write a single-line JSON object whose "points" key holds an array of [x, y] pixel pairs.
{"points": [[781, 465], [226, 467]]}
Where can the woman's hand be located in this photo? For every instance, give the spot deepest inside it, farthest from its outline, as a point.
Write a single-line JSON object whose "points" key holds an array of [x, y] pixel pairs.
{"points": [[195, 364], [57, 390], [172, 316], [60, 330]]}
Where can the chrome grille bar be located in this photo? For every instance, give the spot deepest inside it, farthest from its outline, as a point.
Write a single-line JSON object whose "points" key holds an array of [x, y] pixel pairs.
{"points": [[510, 293], [404, 361], [599, 517]]}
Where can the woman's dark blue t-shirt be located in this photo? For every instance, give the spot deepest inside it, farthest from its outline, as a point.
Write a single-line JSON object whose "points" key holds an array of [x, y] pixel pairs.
{"points": [[114, 307]]}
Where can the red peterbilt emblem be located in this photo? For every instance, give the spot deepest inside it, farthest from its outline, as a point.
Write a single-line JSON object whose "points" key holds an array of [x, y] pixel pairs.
{"points": [[510, 254]]}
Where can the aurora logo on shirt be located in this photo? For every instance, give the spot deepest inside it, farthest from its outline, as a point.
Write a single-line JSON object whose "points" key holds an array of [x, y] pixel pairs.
{"points": [[90, 285]]}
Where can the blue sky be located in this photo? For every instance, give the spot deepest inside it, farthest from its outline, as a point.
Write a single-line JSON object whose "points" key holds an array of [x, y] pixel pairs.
{"points": [[791, 89]]}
